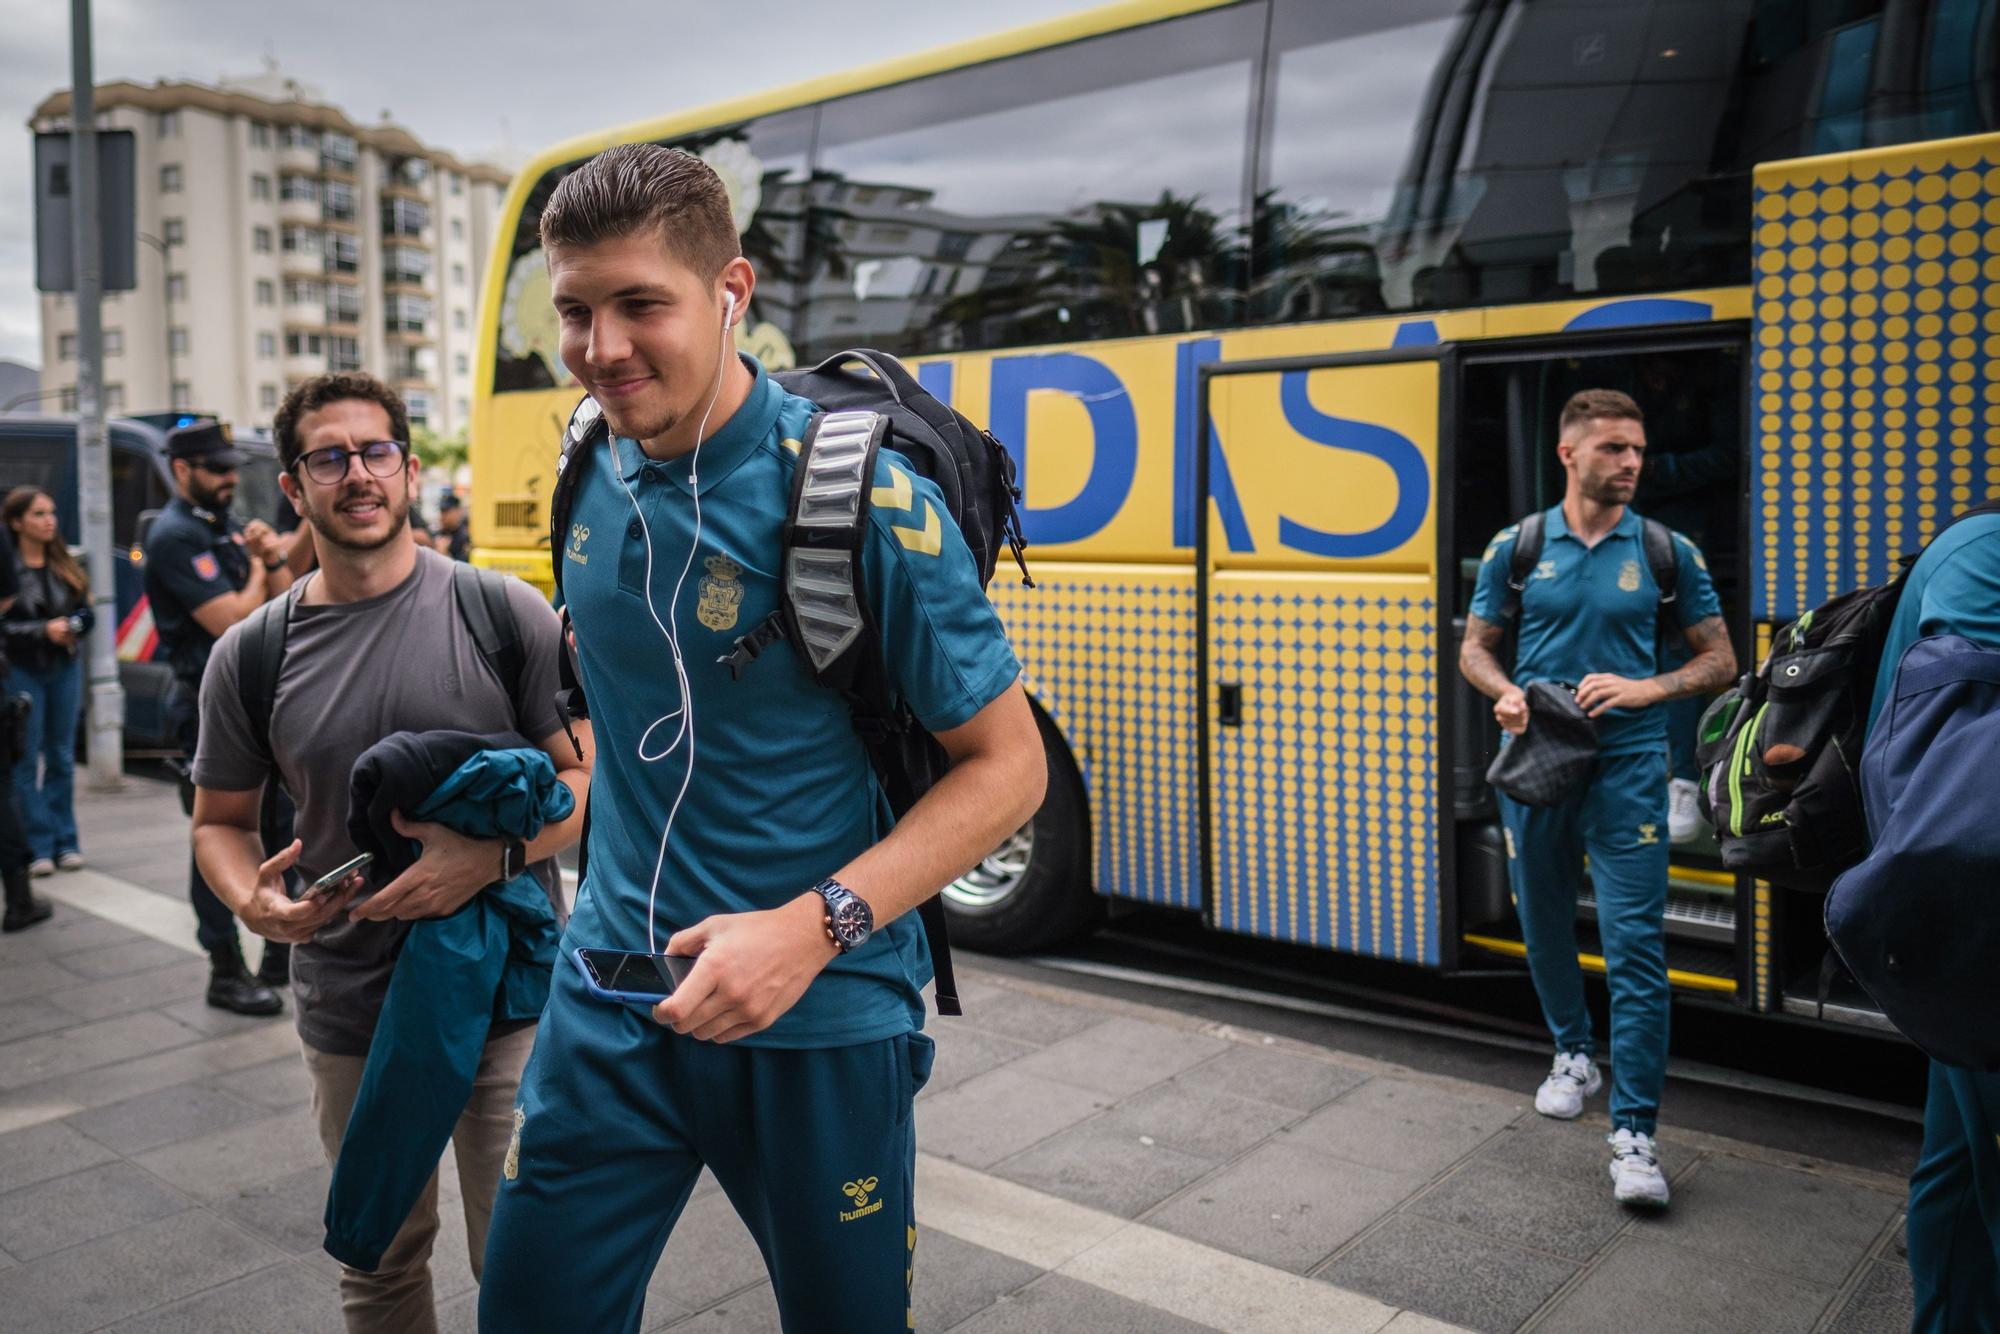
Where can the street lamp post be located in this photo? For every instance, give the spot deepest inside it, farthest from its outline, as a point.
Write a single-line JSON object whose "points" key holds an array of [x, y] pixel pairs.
{"points": [[93, 450], [167, 290]]}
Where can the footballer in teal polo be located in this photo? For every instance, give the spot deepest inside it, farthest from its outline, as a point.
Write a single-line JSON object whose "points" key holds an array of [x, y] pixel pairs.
{"points": [[1589, 617], [736, 821]]}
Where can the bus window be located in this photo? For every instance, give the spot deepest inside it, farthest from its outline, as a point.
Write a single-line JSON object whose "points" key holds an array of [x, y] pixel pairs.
{"points": [[763, 165], [1340, 118], [1549, 149], [1093, 190]]}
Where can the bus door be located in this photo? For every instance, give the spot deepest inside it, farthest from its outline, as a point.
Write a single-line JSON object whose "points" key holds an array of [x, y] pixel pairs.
{"points": [[1509, 401], [1320, 667]]}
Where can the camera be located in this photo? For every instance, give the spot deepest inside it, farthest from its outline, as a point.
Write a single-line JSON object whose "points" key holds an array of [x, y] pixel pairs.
{"points": [[78, 624]]}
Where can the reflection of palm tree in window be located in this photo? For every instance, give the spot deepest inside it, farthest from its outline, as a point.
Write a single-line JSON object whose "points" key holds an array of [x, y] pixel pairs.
{"points": [[1311, 263], [1123, 269]]}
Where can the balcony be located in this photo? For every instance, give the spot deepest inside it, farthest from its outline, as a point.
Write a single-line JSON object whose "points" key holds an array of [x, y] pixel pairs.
{"points": [[299, 209], [302, 157]]}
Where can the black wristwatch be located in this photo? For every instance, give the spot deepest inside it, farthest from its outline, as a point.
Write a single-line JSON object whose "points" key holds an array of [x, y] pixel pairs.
{"points": [[849, 919], [513, 858]]}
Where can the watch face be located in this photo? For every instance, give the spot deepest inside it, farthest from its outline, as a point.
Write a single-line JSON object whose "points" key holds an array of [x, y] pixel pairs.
{"points": [[850, 921]]}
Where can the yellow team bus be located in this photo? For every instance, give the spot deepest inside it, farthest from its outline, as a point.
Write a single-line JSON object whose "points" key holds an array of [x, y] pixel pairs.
{"points": [[1275, 303]]}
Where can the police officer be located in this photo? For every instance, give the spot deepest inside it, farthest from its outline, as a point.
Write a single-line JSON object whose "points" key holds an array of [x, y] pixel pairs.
{"points": [[454, 534], [206, 570], [1954, 1222], [1589, 614]]}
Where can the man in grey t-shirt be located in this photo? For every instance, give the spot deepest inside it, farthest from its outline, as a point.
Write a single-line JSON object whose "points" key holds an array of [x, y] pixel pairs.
{"points": [[374, 645]]}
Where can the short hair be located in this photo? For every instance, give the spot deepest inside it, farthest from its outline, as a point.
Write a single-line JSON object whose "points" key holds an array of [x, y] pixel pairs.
{"points": [[333, 387], [637, 188], [1587, 405]]}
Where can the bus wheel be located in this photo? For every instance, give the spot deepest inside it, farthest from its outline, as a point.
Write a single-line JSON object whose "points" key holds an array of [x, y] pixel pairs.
{"points": [[1033, 891]]}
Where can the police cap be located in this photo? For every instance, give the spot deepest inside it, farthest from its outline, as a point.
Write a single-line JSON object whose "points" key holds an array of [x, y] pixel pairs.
{"points": [[205, 443]]}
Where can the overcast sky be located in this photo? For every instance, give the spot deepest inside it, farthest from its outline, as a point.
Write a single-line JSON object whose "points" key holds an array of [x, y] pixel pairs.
{"points": [[468, 77]]}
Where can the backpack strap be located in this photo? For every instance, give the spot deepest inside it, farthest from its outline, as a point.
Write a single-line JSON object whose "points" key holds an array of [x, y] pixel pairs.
{"points": [[260, 654], [586, 427], [825, 614], [1526, 556], [481, 598], [820, 590], [1658, 541]]}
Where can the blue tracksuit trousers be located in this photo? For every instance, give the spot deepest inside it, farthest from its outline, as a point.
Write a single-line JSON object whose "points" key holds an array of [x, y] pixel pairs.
{"points": [[815, 1148], [1620, 821], [1954, 1224]]}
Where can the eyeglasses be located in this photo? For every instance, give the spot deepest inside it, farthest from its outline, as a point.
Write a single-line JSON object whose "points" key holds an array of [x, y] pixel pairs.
{"points": [[328, 467]]}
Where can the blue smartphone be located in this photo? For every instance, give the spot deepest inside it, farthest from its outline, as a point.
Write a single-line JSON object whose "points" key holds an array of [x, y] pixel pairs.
{"points": [[629, 976]]}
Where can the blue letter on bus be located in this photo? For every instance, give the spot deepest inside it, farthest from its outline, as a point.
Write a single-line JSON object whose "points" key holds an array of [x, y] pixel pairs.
{"points": [[1189, 358], [1115, 450], [1405, 460]]}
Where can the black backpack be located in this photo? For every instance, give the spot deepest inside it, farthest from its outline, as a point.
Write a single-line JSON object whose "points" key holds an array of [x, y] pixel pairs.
{"points": [[479, 594], [1780, 752], [823, 607], [1654, 537]]}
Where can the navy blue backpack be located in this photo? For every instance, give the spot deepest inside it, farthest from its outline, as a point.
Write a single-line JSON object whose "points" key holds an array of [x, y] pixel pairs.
{"points": [[1918, 920]]}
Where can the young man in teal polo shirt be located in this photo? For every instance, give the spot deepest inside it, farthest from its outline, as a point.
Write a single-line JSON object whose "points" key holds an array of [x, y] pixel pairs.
{"points": [[736, 820], [1954, 1223], [1589, 615]]}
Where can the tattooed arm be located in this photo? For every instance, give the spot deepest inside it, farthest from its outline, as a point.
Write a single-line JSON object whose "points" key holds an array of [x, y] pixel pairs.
{"points": [[1479, 662], [1713, 665]]}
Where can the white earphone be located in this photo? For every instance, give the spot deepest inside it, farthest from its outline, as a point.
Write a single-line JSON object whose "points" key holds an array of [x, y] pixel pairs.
{"points": [[670, 628]]}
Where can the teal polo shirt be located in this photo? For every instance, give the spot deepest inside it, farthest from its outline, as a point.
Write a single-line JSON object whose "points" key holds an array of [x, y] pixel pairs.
{"points": [[1594, 609], [782, 793], [1953, 589]]}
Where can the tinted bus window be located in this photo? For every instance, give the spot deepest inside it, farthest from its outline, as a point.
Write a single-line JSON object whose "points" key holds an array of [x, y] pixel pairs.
{"points": [[763, 164], [1089, 191], [1556, 148], [1349, 85]]}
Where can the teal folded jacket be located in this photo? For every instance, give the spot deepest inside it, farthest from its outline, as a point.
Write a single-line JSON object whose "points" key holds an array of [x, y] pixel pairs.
{"points": [[454, 977]]}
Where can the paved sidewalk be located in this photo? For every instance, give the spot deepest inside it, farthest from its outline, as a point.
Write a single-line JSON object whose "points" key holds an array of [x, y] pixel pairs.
{"points": [[1087, 1164]]}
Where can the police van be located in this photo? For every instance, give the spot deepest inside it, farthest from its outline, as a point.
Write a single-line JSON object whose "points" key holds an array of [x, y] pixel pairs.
{"points": [[41, 452]]}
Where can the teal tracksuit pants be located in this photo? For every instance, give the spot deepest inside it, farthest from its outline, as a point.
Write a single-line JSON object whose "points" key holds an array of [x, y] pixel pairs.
{"points": [[816, 1149], [1954, 1224], [1620, 821]]}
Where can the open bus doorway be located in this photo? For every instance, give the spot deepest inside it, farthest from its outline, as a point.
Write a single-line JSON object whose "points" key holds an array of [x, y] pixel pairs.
{"points": [[1509, 404]]}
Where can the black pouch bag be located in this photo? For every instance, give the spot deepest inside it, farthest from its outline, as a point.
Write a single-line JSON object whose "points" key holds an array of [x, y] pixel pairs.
{"points": [[1549, 762]]}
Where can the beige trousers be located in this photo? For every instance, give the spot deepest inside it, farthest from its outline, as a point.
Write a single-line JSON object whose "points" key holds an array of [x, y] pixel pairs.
{"points": [[396, 1299]]}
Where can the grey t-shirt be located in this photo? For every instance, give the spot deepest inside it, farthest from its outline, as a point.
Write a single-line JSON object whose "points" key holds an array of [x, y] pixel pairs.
{"points": [[353, 674]]}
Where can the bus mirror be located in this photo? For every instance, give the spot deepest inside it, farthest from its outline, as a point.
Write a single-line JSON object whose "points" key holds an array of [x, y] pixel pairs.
{"points": [[139, 531]]}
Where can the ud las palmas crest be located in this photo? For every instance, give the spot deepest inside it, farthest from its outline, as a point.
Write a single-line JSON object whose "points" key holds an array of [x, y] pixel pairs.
{"points": [[721, 593], [1628, 576]]}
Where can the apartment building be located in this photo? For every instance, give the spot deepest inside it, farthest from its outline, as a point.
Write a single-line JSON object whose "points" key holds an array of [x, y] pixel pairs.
{"points": [[280, 239]]}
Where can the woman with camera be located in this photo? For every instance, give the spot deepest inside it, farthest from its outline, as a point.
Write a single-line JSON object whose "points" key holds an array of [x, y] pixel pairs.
{"points": [[45, 629]]}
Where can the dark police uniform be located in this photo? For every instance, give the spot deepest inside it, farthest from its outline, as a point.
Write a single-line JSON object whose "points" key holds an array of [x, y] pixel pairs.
{"points": [[193, 556], [1584, 610], [807, 1125], [1954, 1223]]}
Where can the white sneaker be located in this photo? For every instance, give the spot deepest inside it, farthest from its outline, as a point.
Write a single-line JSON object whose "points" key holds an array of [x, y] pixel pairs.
{"points": [[1635, 1170], [1571, 1079], [41, 866], [1684, 822], [70, 861]]}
